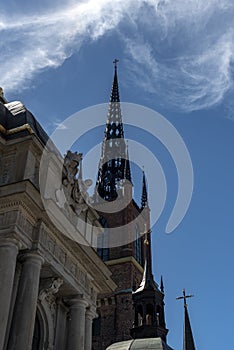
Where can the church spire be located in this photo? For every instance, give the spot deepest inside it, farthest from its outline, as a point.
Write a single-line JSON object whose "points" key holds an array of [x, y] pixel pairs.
{"points": [[188, 341], [147, 282], [114, 165], [144, 194], [162, 285]]}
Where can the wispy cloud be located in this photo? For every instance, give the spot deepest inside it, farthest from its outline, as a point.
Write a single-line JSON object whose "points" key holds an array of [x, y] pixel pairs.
{"points": [[185, 55], [180, 50], [32, 43]]}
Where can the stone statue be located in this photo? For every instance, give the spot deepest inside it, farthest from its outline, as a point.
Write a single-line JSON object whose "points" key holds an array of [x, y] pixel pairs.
{"points": [[75, 189], [70, 167]]}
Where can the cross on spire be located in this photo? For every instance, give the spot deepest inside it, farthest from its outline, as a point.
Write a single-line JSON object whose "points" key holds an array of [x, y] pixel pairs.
{"points": [[115, 62], [188, 342], [184, 297]]}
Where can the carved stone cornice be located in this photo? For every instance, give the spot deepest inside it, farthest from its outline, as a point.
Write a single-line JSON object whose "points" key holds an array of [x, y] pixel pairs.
{"points": [[13, 204], [58, 254]]}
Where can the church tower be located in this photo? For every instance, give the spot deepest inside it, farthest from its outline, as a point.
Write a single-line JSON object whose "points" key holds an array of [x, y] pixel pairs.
{"points": [[130, 261], [148, 301]]}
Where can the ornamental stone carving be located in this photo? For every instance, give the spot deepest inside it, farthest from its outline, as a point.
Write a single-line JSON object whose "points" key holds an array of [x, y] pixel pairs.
{"points": [[74, 189], [52, 288]]}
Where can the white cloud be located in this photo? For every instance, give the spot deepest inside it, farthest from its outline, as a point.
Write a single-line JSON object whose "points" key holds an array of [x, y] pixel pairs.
{"points": [[185, 55], [180, 50]]}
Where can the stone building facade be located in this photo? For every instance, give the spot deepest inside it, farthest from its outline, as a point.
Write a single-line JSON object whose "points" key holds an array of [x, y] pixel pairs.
{"points": [[49, 283]]}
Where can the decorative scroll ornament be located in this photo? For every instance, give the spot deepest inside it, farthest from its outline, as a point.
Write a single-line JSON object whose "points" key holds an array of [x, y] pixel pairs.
{"points": [[74, 190], [52, 288]]}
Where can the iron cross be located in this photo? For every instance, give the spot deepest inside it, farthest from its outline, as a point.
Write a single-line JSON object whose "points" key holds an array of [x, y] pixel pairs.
{"points": [[185, 297], [115, 62]]}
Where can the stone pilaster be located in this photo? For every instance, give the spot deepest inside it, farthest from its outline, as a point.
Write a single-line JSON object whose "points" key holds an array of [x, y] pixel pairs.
{"points": [[76, 327], [89, 316], [8, 254], [22, 327]]}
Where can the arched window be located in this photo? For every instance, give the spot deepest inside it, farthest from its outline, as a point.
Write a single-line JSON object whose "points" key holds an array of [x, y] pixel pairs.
{"points": [[139, 316], [159, 315], [138, 245], [149, 314], [102, 242]]}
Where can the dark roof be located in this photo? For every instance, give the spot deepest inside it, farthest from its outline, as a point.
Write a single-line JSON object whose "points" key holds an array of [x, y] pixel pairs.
{"points": [[14, 115]]}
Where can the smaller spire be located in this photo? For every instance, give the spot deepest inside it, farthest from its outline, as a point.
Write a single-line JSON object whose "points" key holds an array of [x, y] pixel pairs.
{"points": [[127, 169], [144, 195], [147, 282], [188, 341], [162, 285]]}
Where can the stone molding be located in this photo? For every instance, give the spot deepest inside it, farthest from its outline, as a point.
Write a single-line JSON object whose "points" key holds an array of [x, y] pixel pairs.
{"points": [[57, 251]]}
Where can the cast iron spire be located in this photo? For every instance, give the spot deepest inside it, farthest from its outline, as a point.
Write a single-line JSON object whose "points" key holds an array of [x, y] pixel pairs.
{"points": [[144, 195], [114, 166], [188, 341]]}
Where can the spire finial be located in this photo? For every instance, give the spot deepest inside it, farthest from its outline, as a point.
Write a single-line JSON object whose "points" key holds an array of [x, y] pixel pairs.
{"points": [[144, 195], [115, 63], [185, 297]]}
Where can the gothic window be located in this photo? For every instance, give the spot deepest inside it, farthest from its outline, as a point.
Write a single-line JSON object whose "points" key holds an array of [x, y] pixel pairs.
{"points": [[138, 245], [139, 316], [149, 314], [103, 250], [159, 315]]}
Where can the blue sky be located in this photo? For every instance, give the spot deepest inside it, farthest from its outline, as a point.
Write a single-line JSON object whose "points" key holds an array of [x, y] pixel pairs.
{"points": [[176, 57]]}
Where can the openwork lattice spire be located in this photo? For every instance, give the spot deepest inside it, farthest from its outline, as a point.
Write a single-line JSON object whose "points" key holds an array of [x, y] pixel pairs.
{"points": [[188, 341], [114, 166], [144, 195]]}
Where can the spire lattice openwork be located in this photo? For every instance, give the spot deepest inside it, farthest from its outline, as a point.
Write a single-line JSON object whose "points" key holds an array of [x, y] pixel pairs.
{"points": [[114, 166]]}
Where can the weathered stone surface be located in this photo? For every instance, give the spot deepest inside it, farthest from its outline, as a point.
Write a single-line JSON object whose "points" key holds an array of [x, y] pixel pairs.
{"points": [[34, 312]]}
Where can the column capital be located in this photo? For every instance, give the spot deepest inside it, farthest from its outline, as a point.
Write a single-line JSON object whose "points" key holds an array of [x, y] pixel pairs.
{"points": [[91, 313], [31, 256], [9, 242], [77, 301]]}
